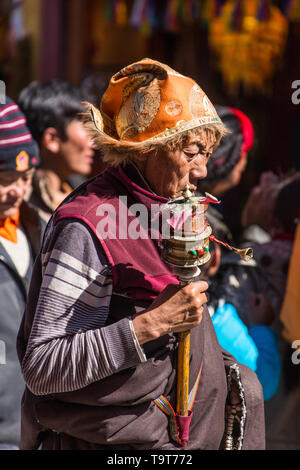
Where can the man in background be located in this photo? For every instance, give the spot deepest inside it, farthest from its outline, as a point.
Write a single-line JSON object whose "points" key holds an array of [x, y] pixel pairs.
{"points": [[52, 110]]}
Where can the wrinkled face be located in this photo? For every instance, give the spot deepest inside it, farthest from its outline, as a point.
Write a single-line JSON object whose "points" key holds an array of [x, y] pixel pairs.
{"points": [[13, 186], [77, 150], [168, 172]]}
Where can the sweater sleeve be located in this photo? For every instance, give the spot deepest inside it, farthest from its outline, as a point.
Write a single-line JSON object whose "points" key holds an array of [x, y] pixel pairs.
{"points": [[69, 345]]}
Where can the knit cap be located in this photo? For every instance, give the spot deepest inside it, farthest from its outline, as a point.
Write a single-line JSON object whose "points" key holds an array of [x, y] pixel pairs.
{"points": [[18, 150]]}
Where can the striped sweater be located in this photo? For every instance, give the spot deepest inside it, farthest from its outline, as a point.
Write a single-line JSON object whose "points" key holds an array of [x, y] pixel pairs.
{"points": [[69, 345]]}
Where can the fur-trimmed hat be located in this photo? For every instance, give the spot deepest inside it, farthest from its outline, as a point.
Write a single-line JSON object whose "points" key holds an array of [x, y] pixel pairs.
{"points": [[147, 103], [18, 150]]}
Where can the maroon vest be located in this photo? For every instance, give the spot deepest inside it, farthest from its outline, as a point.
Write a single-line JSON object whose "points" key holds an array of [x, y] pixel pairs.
{"points": [[107, 207]]}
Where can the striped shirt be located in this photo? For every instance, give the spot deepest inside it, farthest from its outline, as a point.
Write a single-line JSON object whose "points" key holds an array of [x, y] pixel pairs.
{"points": [[69, 345]]}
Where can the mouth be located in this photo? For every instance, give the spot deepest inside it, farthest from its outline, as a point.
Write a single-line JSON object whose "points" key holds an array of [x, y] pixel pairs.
{"points": [[192, 188], [193, 183]]}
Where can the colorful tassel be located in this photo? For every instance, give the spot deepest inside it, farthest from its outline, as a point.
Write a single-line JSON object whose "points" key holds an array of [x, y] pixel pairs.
{"points": [[137, 13], [109, 11], [263, 10]]}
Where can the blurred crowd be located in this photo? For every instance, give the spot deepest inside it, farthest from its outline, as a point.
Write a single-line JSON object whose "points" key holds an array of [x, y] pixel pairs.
{"points": [[45, 153]]}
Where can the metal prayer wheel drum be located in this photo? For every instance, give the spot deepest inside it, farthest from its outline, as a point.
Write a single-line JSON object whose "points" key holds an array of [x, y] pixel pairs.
{"points": [[185, 231]]}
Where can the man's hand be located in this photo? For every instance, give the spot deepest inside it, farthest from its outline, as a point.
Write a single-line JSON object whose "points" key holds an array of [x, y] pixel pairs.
{"points": [[176, 309]]}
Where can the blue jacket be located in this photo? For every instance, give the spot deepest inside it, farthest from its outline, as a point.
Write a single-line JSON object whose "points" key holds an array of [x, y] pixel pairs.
{"points": [[256, 348]]}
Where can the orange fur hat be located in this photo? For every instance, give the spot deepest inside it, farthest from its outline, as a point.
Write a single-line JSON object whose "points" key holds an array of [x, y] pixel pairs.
{"points": [[148, 103]]}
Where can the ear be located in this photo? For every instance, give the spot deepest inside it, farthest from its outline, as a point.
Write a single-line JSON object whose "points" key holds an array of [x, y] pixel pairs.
{"points": [[51, 140]]}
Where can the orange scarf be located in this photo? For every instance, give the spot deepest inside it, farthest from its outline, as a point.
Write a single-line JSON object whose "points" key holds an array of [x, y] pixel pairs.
{"points": [[8, 227]]}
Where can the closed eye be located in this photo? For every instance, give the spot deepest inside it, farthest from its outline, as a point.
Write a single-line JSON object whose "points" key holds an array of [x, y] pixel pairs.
{"points": [[190, 155]]}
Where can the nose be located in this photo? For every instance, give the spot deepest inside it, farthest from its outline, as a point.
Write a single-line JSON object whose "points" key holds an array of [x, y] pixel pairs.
{"points": [[198, 169], [17, 189], [90, 148]]}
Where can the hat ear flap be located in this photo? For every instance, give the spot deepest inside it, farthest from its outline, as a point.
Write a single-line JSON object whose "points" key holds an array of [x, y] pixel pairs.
{"points": [[97, 118], [92, 114]]}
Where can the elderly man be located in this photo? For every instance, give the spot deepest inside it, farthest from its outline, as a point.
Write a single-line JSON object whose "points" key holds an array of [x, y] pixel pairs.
{"points": [[98, 344]]}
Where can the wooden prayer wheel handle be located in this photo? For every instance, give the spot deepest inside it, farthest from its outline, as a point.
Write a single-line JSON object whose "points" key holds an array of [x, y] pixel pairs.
{"points": [[186, 275], [183, 373]]}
